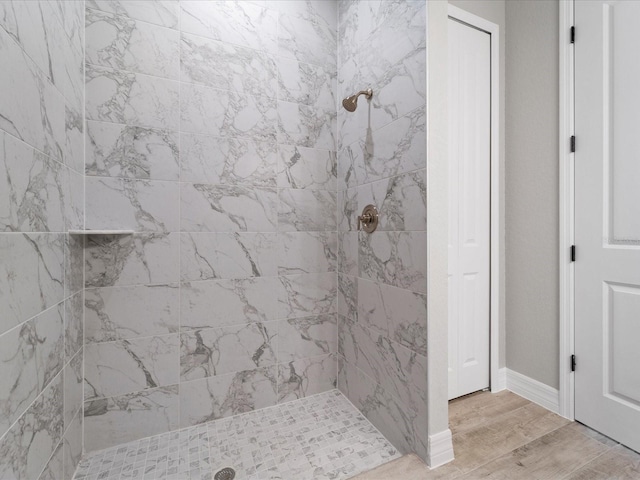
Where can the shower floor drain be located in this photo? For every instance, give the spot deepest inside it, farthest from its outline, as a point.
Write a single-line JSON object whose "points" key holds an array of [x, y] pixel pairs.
{"points": [[226, 473]]}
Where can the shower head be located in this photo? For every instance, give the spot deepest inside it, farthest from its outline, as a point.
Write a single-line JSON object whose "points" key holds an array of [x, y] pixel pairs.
{"points": [[350, 103]]}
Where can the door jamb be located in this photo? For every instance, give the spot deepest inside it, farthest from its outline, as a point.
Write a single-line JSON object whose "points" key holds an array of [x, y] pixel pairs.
{"points": [[497, 381], [567, 211]]}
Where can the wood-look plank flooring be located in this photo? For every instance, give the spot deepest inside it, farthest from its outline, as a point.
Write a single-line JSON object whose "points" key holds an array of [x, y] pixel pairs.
{"points": [[504, 437]]}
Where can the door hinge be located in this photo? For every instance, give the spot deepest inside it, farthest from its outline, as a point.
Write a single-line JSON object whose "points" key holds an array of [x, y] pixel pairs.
{"points": [[573, 143], [573, 34], [573, 253], [573, 363]]}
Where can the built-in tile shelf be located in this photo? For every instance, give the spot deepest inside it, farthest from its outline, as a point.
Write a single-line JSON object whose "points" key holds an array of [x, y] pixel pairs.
{"points": [[101, 232]]}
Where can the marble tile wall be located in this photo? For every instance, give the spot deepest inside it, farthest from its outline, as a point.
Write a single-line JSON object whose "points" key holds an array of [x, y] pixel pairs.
{"points": [[382, 317], [41, 199], [211, 132]]}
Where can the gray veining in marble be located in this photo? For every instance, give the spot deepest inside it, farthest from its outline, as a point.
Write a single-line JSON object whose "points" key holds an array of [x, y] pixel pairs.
{"points": [[225, 395], [126, 204], [306, 337], [221, 208], [227, 67], [144, 258], [133, 152], [158, 12], [127, 366], [306, 252], [130, 98], [120, 313], [123, 43], [217, 303], [306, 168], [216, 351], [115, 420], [228, 161], [31, 275]]}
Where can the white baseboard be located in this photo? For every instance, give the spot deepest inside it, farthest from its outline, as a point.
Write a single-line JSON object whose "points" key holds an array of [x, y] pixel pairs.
{"points": [[533, 390], [500, 383], [440, 448]]}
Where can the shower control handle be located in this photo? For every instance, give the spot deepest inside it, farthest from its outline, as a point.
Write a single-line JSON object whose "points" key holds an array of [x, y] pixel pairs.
{"points": [[368, 221]]}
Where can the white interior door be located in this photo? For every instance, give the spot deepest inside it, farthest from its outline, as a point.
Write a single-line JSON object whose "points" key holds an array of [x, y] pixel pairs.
{"points": [[469, 207], [607, 209]]}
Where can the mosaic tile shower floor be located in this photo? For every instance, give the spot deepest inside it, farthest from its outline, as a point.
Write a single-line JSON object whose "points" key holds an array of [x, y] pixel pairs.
{"points": [[319, 437]]}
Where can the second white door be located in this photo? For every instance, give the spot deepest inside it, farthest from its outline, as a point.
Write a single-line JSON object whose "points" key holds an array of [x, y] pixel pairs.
{"points": [[469, 207]]}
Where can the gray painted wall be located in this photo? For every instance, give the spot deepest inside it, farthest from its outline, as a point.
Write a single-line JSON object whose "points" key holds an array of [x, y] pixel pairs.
{"points": [[532, 189]]}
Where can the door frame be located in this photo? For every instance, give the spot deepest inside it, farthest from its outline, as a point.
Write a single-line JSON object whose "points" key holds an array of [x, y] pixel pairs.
{"points": [[567, 211], [497, 376]]}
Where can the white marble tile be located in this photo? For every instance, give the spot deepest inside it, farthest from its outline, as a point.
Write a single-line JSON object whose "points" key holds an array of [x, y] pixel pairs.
{"points": [[73, 264], [119, 313], [73, 325], [72, 377], [211, 352], [348, 210], [307, 294], [306, 83], [72, 446], [31, 355], [126, 204], [221, 208], [348, 296], [306, 126], [212, 398], [157, 12], [55, 467], [74, 206], [31, 275], [228, 161], [216, 303], [115, 150], [394, 258], [306, 252], [306, 376], [127, 366], [130, 98], [348, 252], [309, 41], [32, 190], [74, 137], [227, 67], [396, 148], [306, 210], [26, 448], [399, 371], [36, 27], [237, 22], [32, 108], [205, 256], [383, 410], [126, 44], [306, 168], [225, 113], [401, 201], [399, 314], [111, 421], [143, 258], [306, 337]]}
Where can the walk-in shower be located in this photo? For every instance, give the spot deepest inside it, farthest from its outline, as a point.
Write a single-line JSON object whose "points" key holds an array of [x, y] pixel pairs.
{"points": [[183, 286]]}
